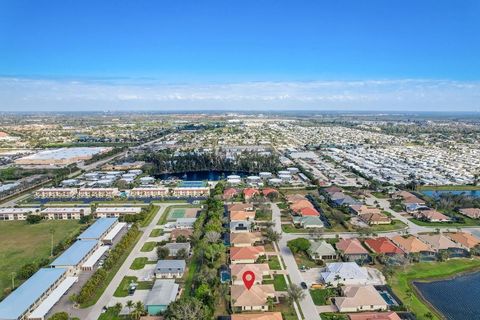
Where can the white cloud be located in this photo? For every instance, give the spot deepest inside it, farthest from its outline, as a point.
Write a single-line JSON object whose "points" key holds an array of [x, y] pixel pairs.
{"points": [[22, 94]]}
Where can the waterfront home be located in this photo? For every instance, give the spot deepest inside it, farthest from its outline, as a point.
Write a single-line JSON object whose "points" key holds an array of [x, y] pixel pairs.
{"points": [[322, 250], [257, 316], [308, 222], [169, 269], [360, 298], [270, 193], [260, 270], [431, 216], [348, 273], [375, 218], [246, 254], [465, 239], [383, 246], [255, 299], [230, 193], [411, 245], [390, 315], [352, 250], [440, 242], [249, 193], [473, 213], [408, 198], [244, 239]]}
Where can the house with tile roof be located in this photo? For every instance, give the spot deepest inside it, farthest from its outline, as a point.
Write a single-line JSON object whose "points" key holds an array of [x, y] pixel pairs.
{"points": [[312, 212], [244, 239], [352, 250], [383, 245], [360, 298], [249, 193], [473, 213], [308, 222], [431, 216], [390, 315], [270, 192], [260, 270], [440, 242], [230, 193], [255, 299], [292, 198], [257, 316], [246, 254], [322, 250], [298, 205], [375, 218], [412, 245], [242, 215], [465, 239]]}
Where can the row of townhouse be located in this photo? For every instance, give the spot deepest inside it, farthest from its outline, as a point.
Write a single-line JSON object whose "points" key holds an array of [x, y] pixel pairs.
{"points": [[141, 192], [66, 213]]}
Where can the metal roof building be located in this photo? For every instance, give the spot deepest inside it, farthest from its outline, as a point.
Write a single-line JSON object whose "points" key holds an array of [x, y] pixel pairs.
{"points": [[98, 229], [29, 294], [75, 254]]}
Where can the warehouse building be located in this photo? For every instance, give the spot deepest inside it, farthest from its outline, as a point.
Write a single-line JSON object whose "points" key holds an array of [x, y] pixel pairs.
{"points": [[75, 255], [98, 229], [31, 293]]}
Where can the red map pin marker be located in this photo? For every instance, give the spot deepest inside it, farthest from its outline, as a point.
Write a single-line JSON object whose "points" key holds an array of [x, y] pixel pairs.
{"points": [[248, 278]]}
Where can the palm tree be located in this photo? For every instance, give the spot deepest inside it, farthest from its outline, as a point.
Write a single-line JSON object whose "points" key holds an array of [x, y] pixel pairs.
{"points": [[295, 293], [270, 302], [118, 306], [130, 305]]}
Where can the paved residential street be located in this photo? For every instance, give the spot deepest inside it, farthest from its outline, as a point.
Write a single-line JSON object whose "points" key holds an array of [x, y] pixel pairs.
{"points": [[107, 297], [308, 307]]}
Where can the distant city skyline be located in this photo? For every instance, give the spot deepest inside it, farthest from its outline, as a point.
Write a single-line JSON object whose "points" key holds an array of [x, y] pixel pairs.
{"points": [[249, 55]]}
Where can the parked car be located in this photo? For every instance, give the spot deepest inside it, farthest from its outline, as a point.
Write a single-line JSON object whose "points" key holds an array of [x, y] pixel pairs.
{"points": [[303, 285]]}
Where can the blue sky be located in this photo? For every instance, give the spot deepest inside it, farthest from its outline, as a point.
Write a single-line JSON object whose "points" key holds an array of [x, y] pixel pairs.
{"points": [[240, 54]]}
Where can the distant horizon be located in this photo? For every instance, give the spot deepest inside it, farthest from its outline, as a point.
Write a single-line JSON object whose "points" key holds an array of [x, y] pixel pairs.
{"points": [[317, 55]]}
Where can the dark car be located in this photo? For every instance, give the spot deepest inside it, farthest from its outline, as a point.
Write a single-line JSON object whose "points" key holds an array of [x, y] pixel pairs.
{"points": [[303, 285]]}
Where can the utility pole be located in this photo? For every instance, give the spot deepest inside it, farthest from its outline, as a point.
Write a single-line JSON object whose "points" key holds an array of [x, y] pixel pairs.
{"points": [[52, 231]]}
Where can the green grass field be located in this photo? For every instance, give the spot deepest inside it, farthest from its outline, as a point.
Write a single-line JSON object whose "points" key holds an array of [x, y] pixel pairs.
{"points": [[122, 290], [321, 296], [397, 224], [139, 263], [148, 246], [23, 243], [448, 188], [156, 232], [401, 281], [274, 263]]}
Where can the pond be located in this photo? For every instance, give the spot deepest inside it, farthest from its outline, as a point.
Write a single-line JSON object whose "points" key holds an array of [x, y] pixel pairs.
{"points": [[200, 175], [437, 193], [457, 298]]}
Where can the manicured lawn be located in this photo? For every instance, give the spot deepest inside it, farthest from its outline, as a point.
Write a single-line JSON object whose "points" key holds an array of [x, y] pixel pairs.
{"points": [[401, 281], [122, 290], [303, 260], [290, 228], [468, 223], [23, 243], [397, 224], [287, 310], [112, 314], [278, 281], [156, 233], [274, 264], [148, 246], [380, 195], [139, 263], [321, 296], [334, 316]]}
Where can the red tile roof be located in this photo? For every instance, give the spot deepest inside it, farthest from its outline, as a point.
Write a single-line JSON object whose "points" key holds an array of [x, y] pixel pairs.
{"points": [[383, 245], [250, 192], [267, 191], [309, 212], [351, 246], [241, 253]]}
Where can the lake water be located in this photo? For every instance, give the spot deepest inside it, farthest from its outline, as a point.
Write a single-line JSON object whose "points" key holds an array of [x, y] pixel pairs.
{"points": [[436, 193], [200, 175], [456, 299]]}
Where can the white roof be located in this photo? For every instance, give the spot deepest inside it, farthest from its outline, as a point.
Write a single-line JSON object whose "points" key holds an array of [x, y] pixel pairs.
{"points": [[119, 209], [115, 230], [52, 298], [95, 256], [345, 270]]}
